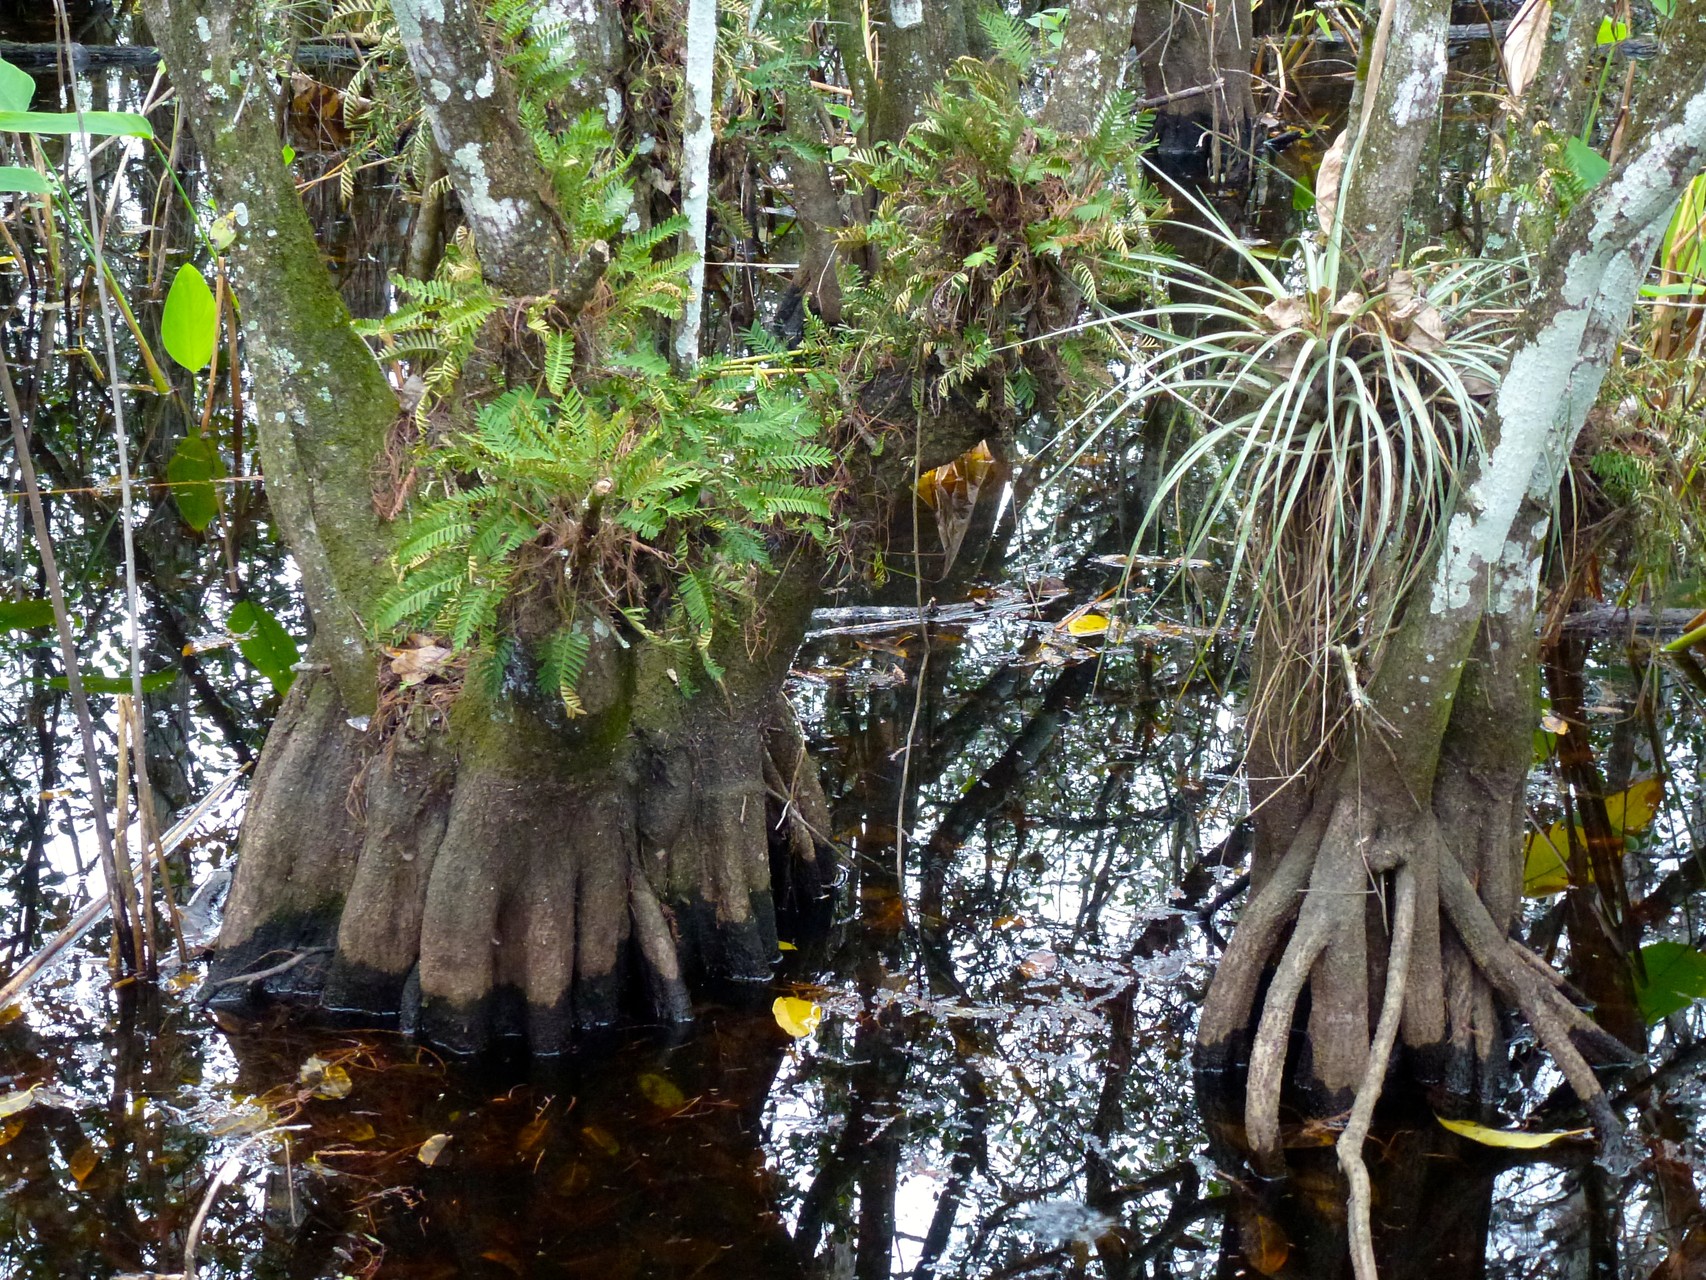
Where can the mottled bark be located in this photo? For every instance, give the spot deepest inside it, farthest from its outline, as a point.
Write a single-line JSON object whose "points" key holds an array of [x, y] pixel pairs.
{"points": [[470, 104], [1395, 113], [322, 404], [1089, 66]]}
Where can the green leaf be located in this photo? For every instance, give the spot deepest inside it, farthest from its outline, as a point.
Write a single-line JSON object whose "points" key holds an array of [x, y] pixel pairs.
{"points": [[1664, 8], [1611, 32], [194, 467], [17, 87], [153, 682], [17, 177], [289, 154], [25, 615], [264, 643], [1676, 977], [189, 326], [103, 123], [1587, 165]]}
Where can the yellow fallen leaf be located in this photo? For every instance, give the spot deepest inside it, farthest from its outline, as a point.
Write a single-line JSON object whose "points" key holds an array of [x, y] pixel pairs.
{"points": [[83, 1162], [325, 1079], [433, 1148], [11, 1127], [661, 1092], [786, 946], [1513, 1139], [1087, 624], [1546, 854], [795, 1016]]}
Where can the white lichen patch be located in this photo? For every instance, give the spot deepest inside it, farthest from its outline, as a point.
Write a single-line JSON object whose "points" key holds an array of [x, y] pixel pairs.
{"points": [[500, 215]]}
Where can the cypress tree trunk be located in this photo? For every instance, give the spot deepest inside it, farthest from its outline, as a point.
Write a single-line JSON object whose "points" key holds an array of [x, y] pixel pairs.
{"points": [[497, 871]]}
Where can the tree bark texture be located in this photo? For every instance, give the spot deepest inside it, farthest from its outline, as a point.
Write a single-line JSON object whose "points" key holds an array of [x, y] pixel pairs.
{"points": [[494, 870], [1432, 780]]}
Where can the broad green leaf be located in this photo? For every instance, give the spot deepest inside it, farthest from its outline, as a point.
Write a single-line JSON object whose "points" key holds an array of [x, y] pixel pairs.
{"points": [[1664, 8], [1611, 32], [1546, 855], [17, 177], [265, 644], [1511, 1139], [153, 682], [189, 326], [795, 1016], [195, 465], [24, 615], [1588, 166], [17, 87], [103, 123], [1676, 978]]}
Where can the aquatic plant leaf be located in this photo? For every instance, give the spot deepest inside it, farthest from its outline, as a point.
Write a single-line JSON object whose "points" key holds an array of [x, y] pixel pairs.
{"points": [[194, 467], [265, 644], [103, 123], [1510, 1139], [325, 1079], [153, 682], [1087, 624], [1546, 855], [432, 1150], [661, 1092], [797, 1017], [1676, 978], [83, 1162], [23, 615], [17, 177], [17, 87], [189, 325]]}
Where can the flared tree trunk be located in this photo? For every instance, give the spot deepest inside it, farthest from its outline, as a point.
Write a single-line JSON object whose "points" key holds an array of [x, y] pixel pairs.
{"points": [[1384, 891], [486, 870]]}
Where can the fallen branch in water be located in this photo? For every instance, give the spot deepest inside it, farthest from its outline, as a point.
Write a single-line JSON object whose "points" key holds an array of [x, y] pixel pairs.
{"points": [[260, 975]]}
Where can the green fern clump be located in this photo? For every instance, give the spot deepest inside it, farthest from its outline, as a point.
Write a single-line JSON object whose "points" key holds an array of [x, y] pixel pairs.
{"points": [[649, 498], [993, 230]]}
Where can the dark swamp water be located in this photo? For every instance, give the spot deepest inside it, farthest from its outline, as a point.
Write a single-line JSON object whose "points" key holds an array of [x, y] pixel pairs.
{"points": [[1000, 1083]]}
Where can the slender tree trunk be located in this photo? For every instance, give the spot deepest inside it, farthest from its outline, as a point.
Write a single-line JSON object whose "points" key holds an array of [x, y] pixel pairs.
{"points": [[1429, 785], [1198, 58]]}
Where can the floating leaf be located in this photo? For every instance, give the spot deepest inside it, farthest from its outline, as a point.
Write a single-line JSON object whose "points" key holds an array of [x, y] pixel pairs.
{"points": [[433, 1148], [17, 177], [11, 1127], [1546, 855], [325, 1079], [189, 326], [83, 1162], [1676, 978], [17, 87], [265, 644], [194, 466], [23, 615], [1510, 1139], [661, 1092], [12, 1103], [786, 946], [795, 1016], [1087, 624], [103, 123]]}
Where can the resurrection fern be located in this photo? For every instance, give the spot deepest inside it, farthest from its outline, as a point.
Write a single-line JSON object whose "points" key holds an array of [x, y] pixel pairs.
{"points": [[993, 231], [640, 496]]}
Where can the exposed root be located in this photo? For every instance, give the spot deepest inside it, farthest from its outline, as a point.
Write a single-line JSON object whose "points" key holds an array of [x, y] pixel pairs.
{"points": [[1522, 986], [1374, 1077]]}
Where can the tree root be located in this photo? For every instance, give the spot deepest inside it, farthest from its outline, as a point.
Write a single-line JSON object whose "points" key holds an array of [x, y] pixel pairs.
{"points": [[1374, 1077]]}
